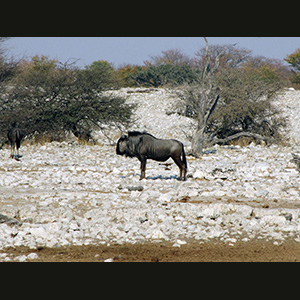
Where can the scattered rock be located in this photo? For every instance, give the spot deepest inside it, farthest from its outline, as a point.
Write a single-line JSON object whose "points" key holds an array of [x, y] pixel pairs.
{"points": [[199, 174], [143, 220], [287, 216], [9, 221], [135, 188], [296, 160], [32, 256], [86, 195]]}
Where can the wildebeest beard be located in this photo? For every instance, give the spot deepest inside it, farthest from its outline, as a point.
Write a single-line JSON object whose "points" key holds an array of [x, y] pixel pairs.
{"points": [[129, 154]]}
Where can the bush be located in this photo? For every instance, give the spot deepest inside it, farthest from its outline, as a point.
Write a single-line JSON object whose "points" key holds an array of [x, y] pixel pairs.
{"points": [[165, 74], [244, 87], [246, 103], [99, 74], [125, 75], [50, 98], [294, 61]]}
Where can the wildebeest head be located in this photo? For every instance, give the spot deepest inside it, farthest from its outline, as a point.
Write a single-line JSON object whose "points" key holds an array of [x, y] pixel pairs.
{"points": [[127, 145], [122, 145]]}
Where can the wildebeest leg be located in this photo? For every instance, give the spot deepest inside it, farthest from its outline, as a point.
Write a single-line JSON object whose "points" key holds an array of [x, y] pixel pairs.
{"points": [[18, 146], [143, 167], [12, 150], [181, 166], [184, 172]]}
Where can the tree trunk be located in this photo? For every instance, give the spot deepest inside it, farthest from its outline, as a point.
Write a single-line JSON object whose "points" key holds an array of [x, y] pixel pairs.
{"points": [[199, 134], [203, 98], [198, 139]]}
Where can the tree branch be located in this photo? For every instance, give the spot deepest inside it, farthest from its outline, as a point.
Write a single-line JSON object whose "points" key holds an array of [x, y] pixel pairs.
{"points": [[238, 135], [206, 60], [210, 111]]}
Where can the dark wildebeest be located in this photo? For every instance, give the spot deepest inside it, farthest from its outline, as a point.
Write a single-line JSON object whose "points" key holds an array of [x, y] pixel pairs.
{"points": [[14, 136], [145, 146]]}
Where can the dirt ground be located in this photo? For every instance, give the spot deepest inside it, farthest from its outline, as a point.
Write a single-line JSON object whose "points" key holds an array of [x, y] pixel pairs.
{"points": [[255, 251]]}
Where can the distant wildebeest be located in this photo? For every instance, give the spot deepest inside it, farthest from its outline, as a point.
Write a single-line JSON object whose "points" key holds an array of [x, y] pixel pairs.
{"points": [[145, 146], [14, 136]]}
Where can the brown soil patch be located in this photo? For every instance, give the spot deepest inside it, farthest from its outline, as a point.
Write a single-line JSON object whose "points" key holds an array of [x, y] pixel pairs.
{"points": [[255, 251]]}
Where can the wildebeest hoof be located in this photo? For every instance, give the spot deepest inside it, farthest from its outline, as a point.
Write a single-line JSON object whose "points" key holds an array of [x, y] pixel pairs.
{"points": [[16, 157]]}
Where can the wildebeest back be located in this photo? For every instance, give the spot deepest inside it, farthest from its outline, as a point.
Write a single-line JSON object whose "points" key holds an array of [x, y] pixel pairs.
{"points": [[159, 149]]}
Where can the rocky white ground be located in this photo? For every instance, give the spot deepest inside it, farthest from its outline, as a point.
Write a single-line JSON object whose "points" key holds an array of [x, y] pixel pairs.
{"points": [[71, 194]]}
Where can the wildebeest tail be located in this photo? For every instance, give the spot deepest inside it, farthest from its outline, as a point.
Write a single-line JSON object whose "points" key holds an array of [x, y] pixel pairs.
{"points": [[18, 134], [18, 137], [184, 157]]}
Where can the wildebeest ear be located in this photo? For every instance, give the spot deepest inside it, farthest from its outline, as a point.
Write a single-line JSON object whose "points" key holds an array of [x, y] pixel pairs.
{"points": [[123, 136]]}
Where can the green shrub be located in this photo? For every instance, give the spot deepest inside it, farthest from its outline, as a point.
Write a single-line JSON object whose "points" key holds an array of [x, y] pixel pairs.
{"points": [[50, 98], [165, 74], [294, 61]]}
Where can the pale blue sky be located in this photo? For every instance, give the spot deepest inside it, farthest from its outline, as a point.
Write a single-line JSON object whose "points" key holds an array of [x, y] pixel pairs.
{"points": [[135, 50]]}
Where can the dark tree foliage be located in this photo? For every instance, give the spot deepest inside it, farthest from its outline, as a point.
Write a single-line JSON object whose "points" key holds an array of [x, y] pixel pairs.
{"points": [[234, 97], [228, 91], [49, 98], [165, 74]]}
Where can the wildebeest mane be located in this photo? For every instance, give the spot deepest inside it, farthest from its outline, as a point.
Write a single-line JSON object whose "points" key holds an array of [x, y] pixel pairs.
{"points": [[137, 133]]}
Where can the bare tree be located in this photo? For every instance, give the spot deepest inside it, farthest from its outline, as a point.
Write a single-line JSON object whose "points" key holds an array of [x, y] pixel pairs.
{"points": [[2, 40], [172, 56], [202, 98], [230, 55], [233, 97]]}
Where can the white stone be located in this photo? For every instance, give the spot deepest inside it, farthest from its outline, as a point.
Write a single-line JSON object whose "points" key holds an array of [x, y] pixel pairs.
{"points": [[157, 234], [38, 232], [181, 242], [74, 194], [193, 193], [165, 198], [21, 258], [199, 174], [109, 260], [32, 256]]}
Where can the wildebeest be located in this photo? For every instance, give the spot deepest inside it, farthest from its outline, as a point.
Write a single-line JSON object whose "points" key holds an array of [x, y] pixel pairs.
{"points": [[145, 146], [14, 136]]}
